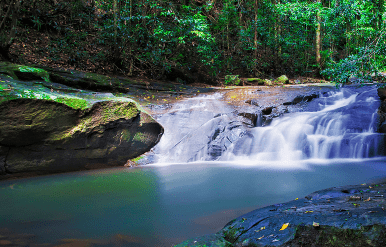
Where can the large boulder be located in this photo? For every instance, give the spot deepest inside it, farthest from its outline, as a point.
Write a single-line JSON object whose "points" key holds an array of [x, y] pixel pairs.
{"points": [[42, 136], [339, 216]]}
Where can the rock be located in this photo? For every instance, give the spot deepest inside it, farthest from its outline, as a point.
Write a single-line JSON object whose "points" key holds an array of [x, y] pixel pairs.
{"points": [[23, 72], [323, 218], [70, 78], [267, 110], [48, 137], [282, 80], [302, 98], [257, 81], [268, 82], [382, 110], [254, 119], [3, 154], [252, 102], [382, 93]]}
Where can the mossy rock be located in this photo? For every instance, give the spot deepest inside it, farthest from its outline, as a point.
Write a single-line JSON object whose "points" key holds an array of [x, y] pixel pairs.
{"points": [[232, 80], [23, 72], [374, 235], [44, 136], [71, 78], [282, 80], [268, 82], [38, 91], [256, 81]]}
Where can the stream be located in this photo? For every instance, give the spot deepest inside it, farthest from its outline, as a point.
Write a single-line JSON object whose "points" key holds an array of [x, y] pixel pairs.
{"points": [[216, 161]]}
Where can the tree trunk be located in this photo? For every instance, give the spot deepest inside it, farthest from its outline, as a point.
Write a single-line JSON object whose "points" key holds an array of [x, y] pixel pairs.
{"points": [[255, 39], [2, 5], [115, 45], [4, 47], [130, 45], [278, 34], [318, 39]]}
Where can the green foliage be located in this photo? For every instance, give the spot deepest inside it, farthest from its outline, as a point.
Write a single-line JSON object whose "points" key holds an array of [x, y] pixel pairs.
{"points": [[365, 63], [264, 37], [232, 80]]}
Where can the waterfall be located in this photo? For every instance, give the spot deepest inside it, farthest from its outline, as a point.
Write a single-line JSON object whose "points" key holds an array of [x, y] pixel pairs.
{"points": [[337, 125]]}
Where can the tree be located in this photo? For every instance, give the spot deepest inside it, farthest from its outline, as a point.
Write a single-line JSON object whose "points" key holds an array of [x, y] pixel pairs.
{"points": [[7, 38], [318, 43]]}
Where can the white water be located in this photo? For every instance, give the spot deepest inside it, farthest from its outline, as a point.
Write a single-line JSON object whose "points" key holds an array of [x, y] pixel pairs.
{"points": [[338, 126]]}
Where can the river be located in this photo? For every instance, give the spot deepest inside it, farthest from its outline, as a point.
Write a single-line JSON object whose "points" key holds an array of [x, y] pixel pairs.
{"points": [[209, 168]]}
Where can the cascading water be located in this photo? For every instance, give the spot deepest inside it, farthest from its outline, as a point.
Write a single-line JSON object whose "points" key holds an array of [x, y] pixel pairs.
{"points": [[334, 125], [343, 127]]}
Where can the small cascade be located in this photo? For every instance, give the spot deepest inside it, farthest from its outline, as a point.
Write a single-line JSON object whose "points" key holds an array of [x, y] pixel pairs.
{"points": [[336, 125], [342, 127]]}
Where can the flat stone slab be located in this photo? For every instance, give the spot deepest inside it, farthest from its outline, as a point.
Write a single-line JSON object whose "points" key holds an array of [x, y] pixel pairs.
{"points": [[339, 216]]}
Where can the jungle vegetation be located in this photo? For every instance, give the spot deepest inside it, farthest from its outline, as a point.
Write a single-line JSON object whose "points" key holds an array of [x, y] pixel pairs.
{"points": [[199, 40]]}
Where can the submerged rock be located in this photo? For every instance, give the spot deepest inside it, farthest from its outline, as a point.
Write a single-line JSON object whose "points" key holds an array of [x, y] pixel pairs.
{"points": [[339, 216]]}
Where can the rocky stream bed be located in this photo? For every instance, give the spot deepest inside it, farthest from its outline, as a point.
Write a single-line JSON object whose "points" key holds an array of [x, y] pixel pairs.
{"points": [[58, 121]]}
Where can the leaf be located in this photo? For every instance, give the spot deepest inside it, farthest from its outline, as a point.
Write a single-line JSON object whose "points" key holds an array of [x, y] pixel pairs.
{"points": [[284, 226]]}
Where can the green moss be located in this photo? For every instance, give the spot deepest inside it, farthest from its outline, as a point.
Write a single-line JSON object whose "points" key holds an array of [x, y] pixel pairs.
{"points": [[137, 159], [13, 70], [74, 103], [102, 79], [258, 80], [282, 80], [119, 110], [106, 112], [139, 136], [36, 71], [231, 234]]}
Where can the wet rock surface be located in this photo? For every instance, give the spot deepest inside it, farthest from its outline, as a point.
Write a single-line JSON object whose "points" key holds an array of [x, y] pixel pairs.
{"points": [[382, 110], [339, 216], [40, 137], [47, 127], [228, 119]]}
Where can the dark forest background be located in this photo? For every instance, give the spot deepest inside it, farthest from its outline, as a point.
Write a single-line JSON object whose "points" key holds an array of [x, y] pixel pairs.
{"points": [[198, 40]]}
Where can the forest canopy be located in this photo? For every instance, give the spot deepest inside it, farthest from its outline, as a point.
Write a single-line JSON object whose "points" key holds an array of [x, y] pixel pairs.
{"points": [[201, 40]]}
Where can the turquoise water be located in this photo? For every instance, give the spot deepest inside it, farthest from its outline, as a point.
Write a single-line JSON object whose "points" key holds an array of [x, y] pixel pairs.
{"points": [[161, 205]]}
